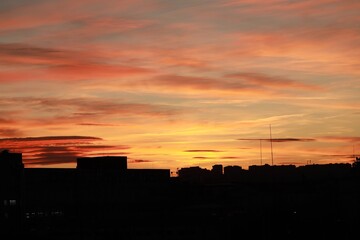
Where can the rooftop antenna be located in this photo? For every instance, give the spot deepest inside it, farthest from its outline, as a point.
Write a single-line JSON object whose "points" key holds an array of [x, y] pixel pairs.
{"points": [[272, 155], [260, 152]]}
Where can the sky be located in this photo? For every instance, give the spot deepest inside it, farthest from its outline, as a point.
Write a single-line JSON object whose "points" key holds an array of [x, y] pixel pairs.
{"points": [[180, 83]]}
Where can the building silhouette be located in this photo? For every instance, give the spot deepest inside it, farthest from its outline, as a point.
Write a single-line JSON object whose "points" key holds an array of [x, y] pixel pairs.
{"points": [[102, 199]]}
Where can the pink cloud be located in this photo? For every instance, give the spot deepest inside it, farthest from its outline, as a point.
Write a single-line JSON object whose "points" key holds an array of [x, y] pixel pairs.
{"points": [[269, 81], [58, 64]]}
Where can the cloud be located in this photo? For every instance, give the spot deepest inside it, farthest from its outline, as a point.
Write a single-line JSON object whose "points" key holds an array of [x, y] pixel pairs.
{"points": [[60, 64], [139, 161], [30, 51], [279, 139], [270, 81], [230, 85], [10, 132], [200, 83], [340, 138], [186, 85], [285, 8], [94, 71], [350, 156], [230, 157], [73, 72], [207, 150], [23, 55], [80, 110], [47, 150], [110, 153], [203, 158], [97, 124], [36, 14], [59, 139]]}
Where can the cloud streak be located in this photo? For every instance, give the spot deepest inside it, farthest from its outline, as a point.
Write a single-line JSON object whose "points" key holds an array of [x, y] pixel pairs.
{"points": [[10, 132], [340, 139], [81, 109], [269, 81], [279, 139], [202, 150], [48, 150]]}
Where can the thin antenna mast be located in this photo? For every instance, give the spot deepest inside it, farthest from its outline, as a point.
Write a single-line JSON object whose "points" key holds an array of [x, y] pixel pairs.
{"points": [[272, 155], [260, 152]]}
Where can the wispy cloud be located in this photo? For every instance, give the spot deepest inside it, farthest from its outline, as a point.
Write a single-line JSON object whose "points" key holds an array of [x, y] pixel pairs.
{"points": [[47, 150], [279, 139], [202, 150], [139, 161], [340, 138], [230, 157], [10, 132], [96, 124], [60, 64], [58, 139], [36, 14], [270, 81], [203, 157], [81, 108]]}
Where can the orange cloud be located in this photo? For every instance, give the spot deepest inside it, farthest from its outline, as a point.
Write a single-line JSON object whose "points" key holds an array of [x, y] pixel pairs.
{"points": [[10, 132], [204, 85], [93, 70], [279, 139], [340, 138], [131, 160], [207, 150]]}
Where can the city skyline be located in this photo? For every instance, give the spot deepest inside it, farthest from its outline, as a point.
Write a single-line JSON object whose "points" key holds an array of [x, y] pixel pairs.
{"points": [[174, 84]]}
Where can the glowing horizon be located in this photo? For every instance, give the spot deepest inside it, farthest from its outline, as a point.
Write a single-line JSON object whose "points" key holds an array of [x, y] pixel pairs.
{"points": [[173, 84]]}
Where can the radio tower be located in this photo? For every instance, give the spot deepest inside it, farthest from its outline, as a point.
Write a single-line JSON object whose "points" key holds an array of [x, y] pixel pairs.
{"points": [[272, 155], [260, 152]]}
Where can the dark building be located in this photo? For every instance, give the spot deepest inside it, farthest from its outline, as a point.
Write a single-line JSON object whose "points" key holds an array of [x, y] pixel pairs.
{"points": [[102, 199], [217, 170], [90, 197], [194, 174], [112, 163], [234, 173], [11, 177]]}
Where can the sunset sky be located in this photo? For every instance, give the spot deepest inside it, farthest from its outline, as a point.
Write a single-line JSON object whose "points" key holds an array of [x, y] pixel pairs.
{"points": [[180, 83]]}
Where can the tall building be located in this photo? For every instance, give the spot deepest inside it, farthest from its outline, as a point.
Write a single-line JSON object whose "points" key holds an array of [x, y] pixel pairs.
{"points": [[11, 177], [217, 169]]}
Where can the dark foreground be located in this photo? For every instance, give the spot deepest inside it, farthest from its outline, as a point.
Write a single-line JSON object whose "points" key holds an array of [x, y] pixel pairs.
{"points": [[315, 202]]}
